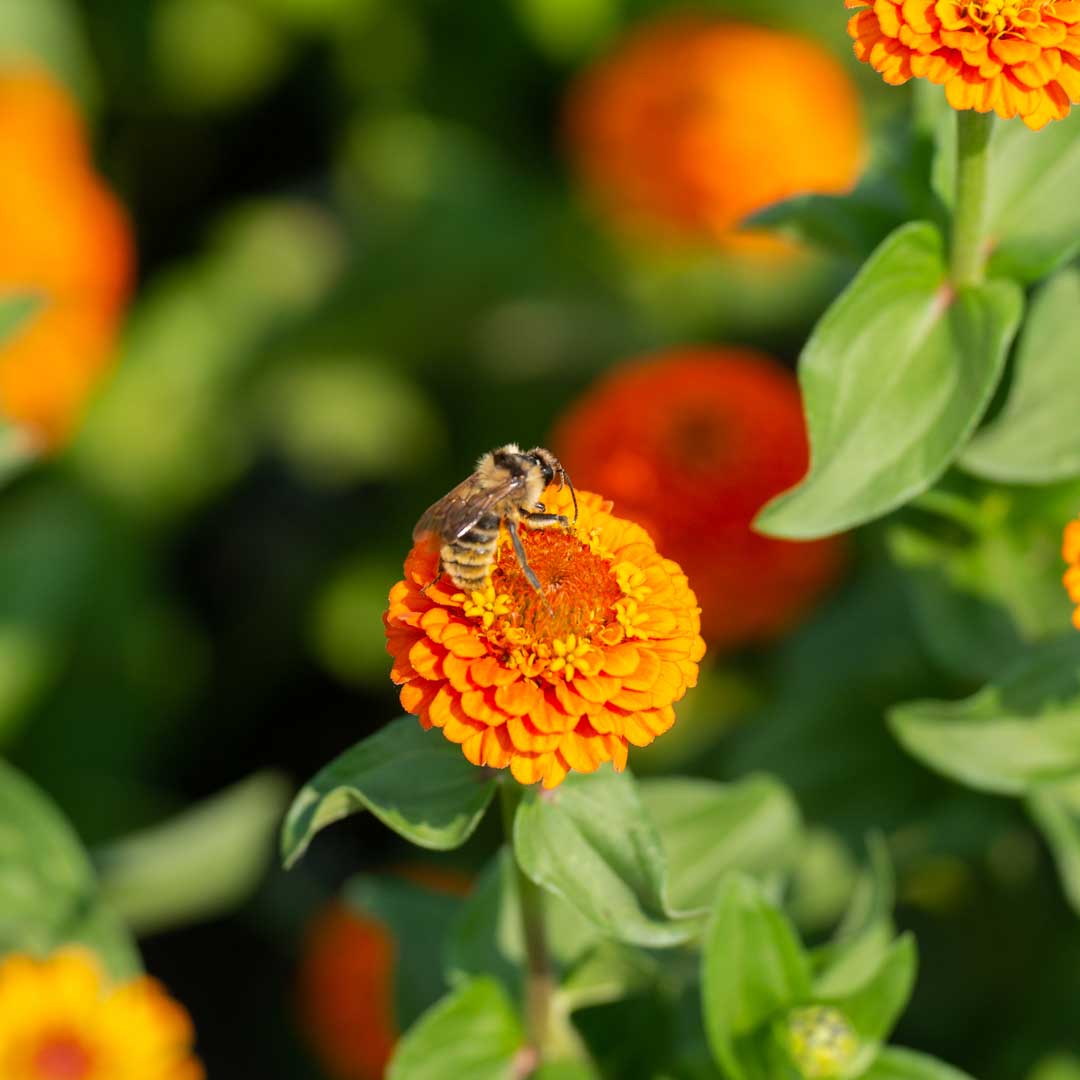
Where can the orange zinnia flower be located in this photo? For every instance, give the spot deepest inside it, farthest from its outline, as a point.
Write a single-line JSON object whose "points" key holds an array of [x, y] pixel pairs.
{"points": [[1070, 549], [61, 1020], [1016, 57], [65, 240], [346, 982], [347, 993], [693, 124], [545, 684], [693, 442]]}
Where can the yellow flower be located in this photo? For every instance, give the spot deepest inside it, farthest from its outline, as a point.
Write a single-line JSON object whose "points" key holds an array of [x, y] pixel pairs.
{"points": [[545, 684], [1015, 57], [61, 1020], [820, 1041], [1070, 550]]}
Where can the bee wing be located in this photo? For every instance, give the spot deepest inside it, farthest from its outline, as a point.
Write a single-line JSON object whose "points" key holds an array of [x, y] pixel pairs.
{"points": [[459, 510]]}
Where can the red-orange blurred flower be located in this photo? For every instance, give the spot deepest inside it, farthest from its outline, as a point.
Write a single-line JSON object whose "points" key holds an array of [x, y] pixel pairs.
{"points": [[61, 1019], [64, 238], [346, 982], [1015, 57], [1070, 549], [545, 684], [692, 124], [692, 443]]}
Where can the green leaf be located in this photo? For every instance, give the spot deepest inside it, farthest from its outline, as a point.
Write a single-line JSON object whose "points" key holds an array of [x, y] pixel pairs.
{"points": [[850, 225], [420, 920], [895, 377], [591, 843], [875, 1004], [862, 941], [1033, 215], [753, 967], [471, 1032], [15, 312], [611, 972], [48, 895], [414, 781], [1057, 1067], [1056, 810], [199, 864], [1036, 439], [895, 1063], [708, 829], [1020, 730]]}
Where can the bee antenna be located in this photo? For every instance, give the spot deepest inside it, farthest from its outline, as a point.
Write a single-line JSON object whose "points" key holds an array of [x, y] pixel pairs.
{"points": [[573, 493]]}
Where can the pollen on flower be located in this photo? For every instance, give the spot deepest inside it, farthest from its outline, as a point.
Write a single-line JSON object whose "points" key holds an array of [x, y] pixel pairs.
{"points": [[1013, 57], [564, 678], [821, 1041]]}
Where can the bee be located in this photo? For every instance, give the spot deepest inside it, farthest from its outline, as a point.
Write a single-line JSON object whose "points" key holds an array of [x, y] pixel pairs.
{"points": [[505, 489]]}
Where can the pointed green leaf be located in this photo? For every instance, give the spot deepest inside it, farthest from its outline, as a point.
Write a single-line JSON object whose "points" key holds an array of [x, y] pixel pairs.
{"points": [[895, 377], [708, 829], [198, 864], [851, 225], [1036, 439], [895, 1063], [1022, 729], [48, 895], [591, 843], [874, 1004], [753, 968], [1056, 810], [861, 942], [414, 781], [472, 1032], [1033, 215]]}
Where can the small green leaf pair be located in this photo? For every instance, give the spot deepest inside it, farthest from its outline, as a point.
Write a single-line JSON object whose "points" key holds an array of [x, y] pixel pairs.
{"points": [[774, 1010]]}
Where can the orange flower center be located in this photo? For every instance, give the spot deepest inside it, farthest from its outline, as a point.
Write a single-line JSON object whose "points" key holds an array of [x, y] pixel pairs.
{"points": [[62, 1057], [583, 602], [1003, 17]]}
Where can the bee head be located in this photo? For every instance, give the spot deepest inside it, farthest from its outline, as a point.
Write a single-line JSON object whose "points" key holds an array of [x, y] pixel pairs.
{"points": [[551, 469]]}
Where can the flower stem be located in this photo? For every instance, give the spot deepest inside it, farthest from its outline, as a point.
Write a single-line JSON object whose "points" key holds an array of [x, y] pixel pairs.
{"points": [[968, 256], [539, 981]]}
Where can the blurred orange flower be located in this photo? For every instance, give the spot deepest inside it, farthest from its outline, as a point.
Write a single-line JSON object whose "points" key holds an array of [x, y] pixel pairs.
{"points": [[693, 124], [61, 1020], [692, 443], [67, 241], [347, 982], [1070, 550], [544, 688], [1015, 57]]}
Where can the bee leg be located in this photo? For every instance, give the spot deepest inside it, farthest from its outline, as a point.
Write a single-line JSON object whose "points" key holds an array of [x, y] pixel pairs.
{"points": [[539, 507], [545, 521], [526, 569], [438, 574]]}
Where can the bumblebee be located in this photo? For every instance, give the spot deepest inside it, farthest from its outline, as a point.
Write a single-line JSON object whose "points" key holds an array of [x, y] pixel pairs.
{"points": [[505, 489]]}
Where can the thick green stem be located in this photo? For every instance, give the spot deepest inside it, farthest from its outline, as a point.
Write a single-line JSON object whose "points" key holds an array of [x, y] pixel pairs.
{"points": [[539, 980], [968, 256]]}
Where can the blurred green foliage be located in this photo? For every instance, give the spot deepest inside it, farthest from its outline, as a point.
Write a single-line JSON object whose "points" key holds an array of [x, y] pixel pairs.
{"points": [[363, 263]]}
